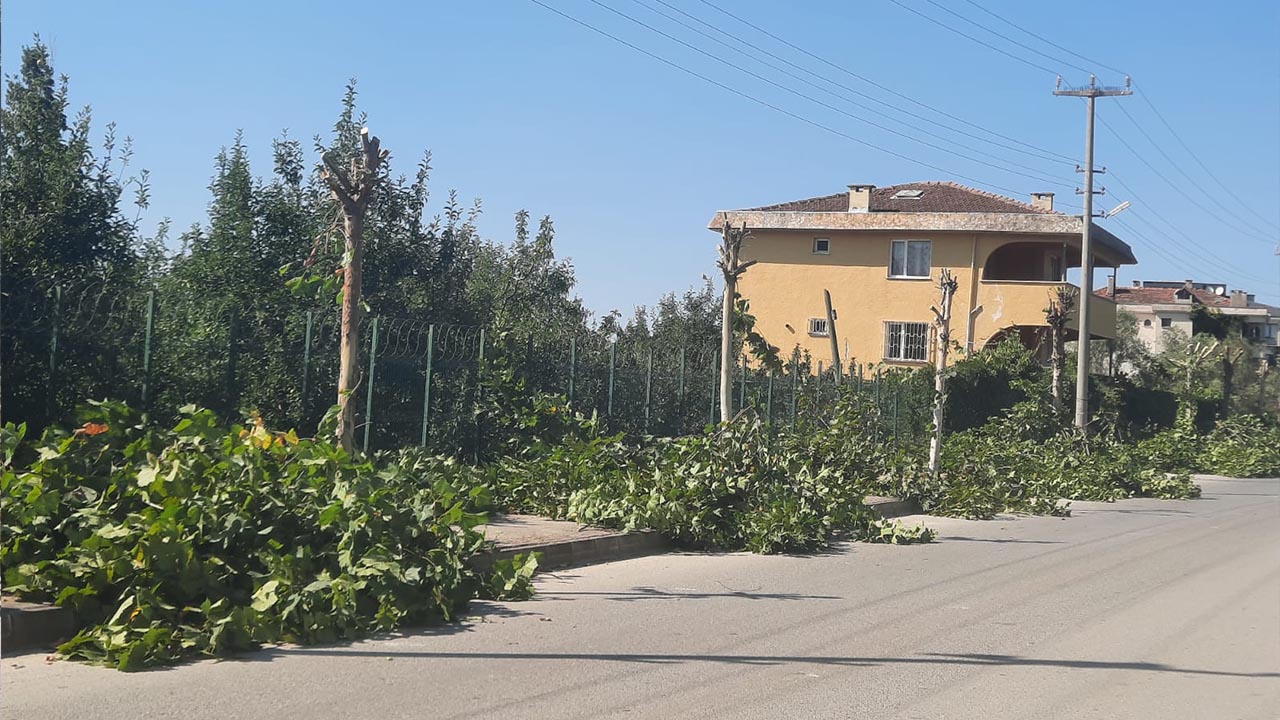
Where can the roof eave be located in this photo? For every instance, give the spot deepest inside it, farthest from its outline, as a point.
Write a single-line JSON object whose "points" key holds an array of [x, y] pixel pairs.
{"points": [[1011, 223]]}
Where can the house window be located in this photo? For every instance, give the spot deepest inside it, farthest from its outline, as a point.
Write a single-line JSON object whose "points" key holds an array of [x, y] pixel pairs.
{"points": [[906, 341], [910, 258], [818, 327], [822, 246], [1166, 322], [1146, 323]]}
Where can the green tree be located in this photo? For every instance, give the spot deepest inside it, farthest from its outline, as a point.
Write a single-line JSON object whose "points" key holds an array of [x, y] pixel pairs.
{"points": [[65, 243]]}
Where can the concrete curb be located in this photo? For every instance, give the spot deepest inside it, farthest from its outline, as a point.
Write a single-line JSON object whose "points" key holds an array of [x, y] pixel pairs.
{"points": [[563, 554], [28, 626], [892, 507]]}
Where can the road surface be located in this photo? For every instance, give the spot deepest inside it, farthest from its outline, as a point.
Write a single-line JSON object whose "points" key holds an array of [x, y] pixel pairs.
{"points": [[1135, 609]]}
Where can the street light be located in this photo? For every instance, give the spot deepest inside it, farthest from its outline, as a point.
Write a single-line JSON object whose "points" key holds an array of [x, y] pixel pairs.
{"points": [[1117, 209]]}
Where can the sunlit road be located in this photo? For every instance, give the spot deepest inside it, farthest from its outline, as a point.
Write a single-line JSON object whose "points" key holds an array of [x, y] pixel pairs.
{"points": [[1136, 609]]}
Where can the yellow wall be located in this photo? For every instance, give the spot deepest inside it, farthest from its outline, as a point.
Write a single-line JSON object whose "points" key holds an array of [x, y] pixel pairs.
{"points": [[785, 290]]}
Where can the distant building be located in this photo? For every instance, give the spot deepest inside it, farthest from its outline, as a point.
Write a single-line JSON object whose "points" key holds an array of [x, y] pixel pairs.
{"points": [[1160, 305]]}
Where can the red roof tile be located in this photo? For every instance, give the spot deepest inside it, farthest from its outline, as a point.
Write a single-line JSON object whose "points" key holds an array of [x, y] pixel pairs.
{"points": [[1161, 296], [936, 197]]}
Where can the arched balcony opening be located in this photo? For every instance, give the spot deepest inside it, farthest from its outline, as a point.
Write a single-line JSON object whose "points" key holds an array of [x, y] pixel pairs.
{"points": [[1030, 262]]}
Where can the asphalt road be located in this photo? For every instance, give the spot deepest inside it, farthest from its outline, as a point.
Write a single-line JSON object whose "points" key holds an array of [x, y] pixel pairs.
{"points": [[1136, 609]]}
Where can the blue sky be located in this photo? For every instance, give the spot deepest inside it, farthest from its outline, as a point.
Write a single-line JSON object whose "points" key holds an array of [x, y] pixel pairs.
{"points": [[525, 109]]}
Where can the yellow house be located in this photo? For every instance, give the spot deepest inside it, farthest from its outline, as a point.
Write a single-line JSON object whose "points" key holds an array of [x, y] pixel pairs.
{"points": [[879, 252]]}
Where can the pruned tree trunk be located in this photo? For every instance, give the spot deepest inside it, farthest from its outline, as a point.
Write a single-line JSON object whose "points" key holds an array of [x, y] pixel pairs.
{"points": [[352, 188], [732, 268], [1230, 356], [831, 332], [1061, 304], [942, 321]]}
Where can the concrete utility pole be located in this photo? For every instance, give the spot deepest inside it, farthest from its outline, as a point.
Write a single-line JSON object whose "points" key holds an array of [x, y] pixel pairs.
{"points": [[1090, 94]]}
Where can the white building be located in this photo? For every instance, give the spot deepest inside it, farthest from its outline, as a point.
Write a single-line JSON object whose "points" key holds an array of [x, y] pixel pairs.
{"points": [[1161, 305]]}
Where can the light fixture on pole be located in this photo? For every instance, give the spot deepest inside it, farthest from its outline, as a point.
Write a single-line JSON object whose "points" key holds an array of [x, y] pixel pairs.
{"points": [[1116, 210]]}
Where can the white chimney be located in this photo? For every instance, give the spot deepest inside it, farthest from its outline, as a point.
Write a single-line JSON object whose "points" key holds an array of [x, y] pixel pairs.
{"points": [[1042, 200], [860, 198]]}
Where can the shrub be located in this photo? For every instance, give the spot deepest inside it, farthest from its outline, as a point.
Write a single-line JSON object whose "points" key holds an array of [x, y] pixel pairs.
{"points": [[1242, 446], [736, 487], [203, 539]]}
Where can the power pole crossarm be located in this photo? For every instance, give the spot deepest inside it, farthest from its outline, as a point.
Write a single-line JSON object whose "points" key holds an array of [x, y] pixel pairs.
{"points": [[1090, 94]]}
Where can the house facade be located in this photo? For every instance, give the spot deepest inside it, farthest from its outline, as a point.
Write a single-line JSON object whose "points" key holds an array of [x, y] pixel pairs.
{"points": [[879, 252], [1158, 306]]}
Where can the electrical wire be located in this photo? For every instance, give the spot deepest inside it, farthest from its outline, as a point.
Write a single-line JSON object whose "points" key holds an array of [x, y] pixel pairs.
{"points": [[1176, 187], [980, 41], [1006, 38], [1045, 40], [828, 106], [1048, 157], [764, 103], [1146, 99], [877, 85], [1176, 166]]}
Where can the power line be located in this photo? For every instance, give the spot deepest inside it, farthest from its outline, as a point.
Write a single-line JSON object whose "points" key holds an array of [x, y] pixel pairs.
{"points": [[1188, 270], [1045, 40], [1178, 167], [1145, 98], [1177, 188], [1006, 38], [980, 41], [1195, 157], [1012, 145], [826, 79], [828, 106], [764, 103], [873, 83], [1191, 246]]}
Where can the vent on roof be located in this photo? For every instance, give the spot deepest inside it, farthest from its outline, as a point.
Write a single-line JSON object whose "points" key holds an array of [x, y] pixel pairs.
{"points": [[908, 195]]}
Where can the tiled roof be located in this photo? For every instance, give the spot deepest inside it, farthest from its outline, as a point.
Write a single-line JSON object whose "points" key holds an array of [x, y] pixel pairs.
{"points": [[936, 197], [1162, 296]]}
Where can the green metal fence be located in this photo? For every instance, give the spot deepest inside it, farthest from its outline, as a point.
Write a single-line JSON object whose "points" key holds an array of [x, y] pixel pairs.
{"points": [[423, 382]]}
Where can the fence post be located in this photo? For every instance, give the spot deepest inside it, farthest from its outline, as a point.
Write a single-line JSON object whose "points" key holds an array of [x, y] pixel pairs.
{"points": [[896, 392], [50, 392], [715, 383], [306, 365], [768, 400], [613, 357], [817, 391], [742, 384], [426, 384], [648, 389], [146, 350], [795, 388], [573, 365], [368, 402]]}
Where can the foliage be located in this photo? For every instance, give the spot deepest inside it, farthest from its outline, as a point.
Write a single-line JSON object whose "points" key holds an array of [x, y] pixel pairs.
{"points": [[986, 383], [203, 539], [737, 486], [60, 223], [1242, 446], [1026, 462]]}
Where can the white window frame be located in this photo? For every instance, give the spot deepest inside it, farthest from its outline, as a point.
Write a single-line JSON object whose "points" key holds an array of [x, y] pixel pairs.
{"points": [[895, 349], [818, 327], [817, 240], [906, 255]]}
